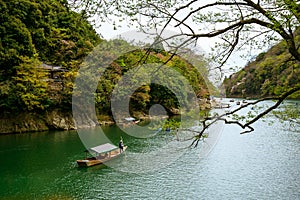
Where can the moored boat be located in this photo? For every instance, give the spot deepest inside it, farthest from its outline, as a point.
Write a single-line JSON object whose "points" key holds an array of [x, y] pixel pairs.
{"points": [[101, 154]]}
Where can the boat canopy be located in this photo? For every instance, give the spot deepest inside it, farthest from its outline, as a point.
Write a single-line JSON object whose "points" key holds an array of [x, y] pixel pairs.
{"points": [[130, 119], [103, 148]]}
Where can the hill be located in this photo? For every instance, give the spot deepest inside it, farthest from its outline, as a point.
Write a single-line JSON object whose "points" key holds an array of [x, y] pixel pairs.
{"points": [[35, 35], [42, 46], [147, 95], [42, 43], [270, 74]]}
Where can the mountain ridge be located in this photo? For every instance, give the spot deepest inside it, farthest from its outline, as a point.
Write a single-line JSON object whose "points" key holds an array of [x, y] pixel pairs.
{"points": [[270, 74]]}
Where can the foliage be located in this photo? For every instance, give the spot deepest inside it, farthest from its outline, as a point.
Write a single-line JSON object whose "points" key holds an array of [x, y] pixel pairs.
{"points": [[167, 125], [29, 85], [146, 95], [36, 32], [271, 74], [290, 113], [235, 26]]}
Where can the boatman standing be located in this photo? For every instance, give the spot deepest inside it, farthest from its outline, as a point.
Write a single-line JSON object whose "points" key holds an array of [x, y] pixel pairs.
{"points": [[121, 146]]}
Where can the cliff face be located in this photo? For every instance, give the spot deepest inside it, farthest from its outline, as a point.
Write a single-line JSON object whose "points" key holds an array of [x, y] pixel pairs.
{"points": [[51, 120], [25, 122], [270, 74]]}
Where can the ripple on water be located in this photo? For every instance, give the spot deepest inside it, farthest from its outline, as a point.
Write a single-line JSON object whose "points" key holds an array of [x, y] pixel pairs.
{"points": [[261, 165]]}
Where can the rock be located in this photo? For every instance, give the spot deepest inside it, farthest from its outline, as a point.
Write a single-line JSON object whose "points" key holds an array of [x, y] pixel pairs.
{"points": [[22, 123], [59, 120], [50, 120]]}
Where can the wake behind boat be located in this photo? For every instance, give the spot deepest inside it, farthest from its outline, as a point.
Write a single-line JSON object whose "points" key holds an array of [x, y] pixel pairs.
{"points": [[101, 154]]}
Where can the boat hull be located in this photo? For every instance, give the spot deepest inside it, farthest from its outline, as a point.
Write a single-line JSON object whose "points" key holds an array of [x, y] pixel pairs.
{"points": [[97, 161]]}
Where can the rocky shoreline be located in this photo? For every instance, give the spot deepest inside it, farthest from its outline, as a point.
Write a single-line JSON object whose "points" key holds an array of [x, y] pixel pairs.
{"points": [[33, 122], [56, 119], [50, 120]]}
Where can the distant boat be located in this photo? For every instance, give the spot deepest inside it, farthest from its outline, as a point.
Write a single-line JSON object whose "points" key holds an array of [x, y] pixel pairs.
{"points": [[218, 104], [102, 154], [128, 121], [221, 105]]}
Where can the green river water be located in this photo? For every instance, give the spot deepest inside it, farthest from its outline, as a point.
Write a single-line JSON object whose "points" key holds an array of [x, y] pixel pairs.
{"points": [[262, 165]]}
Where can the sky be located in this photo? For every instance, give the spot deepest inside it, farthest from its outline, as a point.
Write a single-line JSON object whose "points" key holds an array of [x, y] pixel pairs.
{"points": [[234, 63], [108, 32]]}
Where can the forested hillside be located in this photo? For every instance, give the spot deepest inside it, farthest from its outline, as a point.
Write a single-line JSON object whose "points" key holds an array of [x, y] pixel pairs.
{"points": [[35, 34], [147, 95], [272, 73], [42, 45]]}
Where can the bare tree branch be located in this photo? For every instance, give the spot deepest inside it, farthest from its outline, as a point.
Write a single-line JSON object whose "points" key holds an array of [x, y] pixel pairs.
{"points": [[248, 124], [208, 6], [282, 17]]}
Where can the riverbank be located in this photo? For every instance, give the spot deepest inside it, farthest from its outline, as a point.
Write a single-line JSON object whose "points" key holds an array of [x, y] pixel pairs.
{"points": [[11, 123], [57, 119], [33, 122]]}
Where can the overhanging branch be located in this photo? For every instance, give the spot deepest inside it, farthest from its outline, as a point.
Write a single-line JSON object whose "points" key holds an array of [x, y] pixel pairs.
{"points": [[247, 125]]}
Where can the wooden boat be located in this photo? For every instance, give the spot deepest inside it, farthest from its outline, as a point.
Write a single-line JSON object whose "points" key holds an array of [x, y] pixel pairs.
{"points": [[102, 154]]}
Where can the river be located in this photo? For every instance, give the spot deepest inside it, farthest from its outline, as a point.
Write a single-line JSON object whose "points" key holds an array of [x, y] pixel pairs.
{"points": [[264, 164]]}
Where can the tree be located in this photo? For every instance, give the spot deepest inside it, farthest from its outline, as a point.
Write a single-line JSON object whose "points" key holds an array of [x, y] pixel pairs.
{"points": [[28, 87], [36, 32], [235, 24]]}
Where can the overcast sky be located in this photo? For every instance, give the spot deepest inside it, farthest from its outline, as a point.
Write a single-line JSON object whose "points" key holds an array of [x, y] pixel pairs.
{"points": [[107, 32]]}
